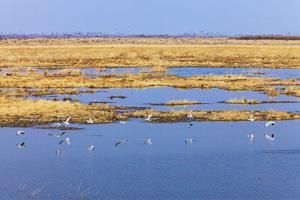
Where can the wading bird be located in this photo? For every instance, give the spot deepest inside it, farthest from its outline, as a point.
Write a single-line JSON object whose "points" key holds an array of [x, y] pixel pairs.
{"points": [[270, 137], [21, 145], [91, 147], [20, 133], [57, 135], [270, 123], [120, 142], [147, 141], [189, 140], [66, 140]]}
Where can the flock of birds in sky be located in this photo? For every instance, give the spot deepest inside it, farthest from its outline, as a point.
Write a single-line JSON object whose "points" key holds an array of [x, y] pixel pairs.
{"points": [[148, 141]]}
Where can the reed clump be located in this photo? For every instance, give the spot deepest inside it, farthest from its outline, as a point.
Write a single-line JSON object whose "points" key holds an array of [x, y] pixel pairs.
{"points": [[242, 100]]}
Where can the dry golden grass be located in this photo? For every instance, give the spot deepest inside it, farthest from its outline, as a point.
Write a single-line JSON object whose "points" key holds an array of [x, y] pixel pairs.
{"points": [[29, 112], [181, 102], [292, 91], [242, 100], [20, 112], [219, 115], [111, 52], [67, 82]]}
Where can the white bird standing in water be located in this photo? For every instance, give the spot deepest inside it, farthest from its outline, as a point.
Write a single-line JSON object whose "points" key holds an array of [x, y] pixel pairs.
{"points": [[251, 118], [251, 137], [89, 121], [270, 123], [67, 140], [149, 118], [91, 147], [189, 140], [20, 133], [21, 145], [147, 141], [120, 142], [270, 137]]}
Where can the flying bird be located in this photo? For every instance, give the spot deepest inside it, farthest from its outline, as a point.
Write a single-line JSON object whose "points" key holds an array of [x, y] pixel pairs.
{"points": [[57, 135], [91, 147], [189, 140], [149, 118], [190, 116], [270, 123], [120, 142], [270, 137], [21, 145], [66, 140], [89, 121], [147, 141], [20, 133], [67, 122]]}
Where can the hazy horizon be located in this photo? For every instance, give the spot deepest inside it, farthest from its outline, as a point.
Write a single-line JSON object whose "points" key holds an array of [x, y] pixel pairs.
{"points": [[153, 17]]}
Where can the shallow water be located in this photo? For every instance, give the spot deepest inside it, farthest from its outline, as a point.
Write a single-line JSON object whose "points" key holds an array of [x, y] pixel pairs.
{"points": [[210, 98], [275, 73], [220, 164]]}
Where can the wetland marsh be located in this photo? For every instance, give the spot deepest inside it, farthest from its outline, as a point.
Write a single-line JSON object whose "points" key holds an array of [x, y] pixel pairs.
{"points": [[119, 93]]}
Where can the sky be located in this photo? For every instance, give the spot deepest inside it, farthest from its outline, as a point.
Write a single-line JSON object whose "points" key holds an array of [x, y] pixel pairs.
{"points": [[227, 17]]}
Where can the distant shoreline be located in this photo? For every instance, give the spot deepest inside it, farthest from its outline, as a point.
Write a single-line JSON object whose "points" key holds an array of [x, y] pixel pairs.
{"points": [[100, 35]]}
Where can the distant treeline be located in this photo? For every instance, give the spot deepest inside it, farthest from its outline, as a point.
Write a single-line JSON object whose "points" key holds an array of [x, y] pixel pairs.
{"points": [[268, 37]]}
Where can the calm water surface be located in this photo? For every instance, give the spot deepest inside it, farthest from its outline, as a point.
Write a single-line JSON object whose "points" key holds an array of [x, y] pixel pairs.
{"points": [[210, 98], [220, 164]]}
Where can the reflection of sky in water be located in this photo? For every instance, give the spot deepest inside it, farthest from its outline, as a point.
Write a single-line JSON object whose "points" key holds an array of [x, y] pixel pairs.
{"points": [[192, 71], [277, 73], [221, 164], [141, 97]]}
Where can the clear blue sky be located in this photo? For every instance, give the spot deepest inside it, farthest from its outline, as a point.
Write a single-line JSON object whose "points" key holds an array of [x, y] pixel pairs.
{"points": [[151, 16]]}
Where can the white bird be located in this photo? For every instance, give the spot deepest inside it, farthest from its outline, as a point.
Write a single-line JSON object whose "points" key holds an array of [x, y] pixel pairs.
{"points": [[190, 116], [20, 133], [91, 147], [270, 137], [120, 142], [272, 123], [251, 137], [251, 118], [123, 122], [149, 118], [147, 141], [57, 135], [21, 145], [67, 140], [67, 122], [189, 140], [89, 121]]}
